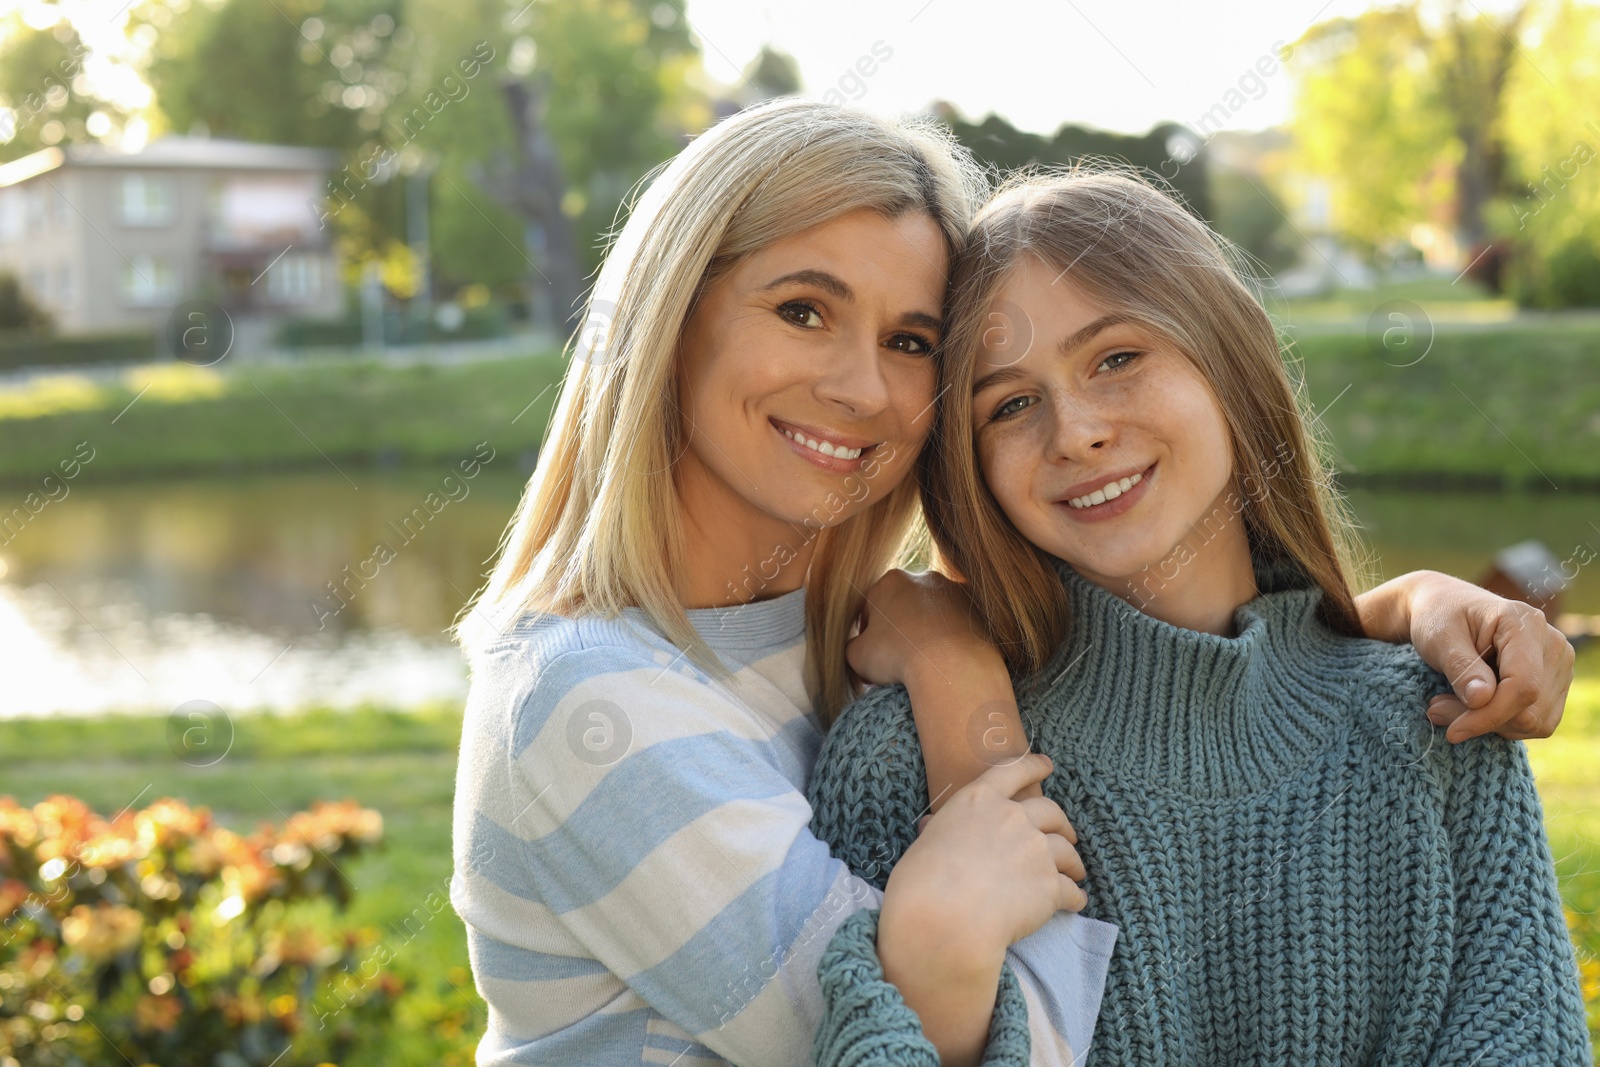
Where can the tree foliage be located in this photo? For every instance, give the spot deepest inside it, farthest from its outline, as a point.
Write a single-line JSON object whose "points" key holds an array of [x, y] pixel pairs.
{"points": [[1166, 153], [42, 95]]}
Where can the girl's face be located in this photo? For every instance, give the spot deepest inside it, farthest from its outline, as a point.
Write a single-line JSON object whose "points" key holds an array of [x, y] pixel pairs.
{"points": [[1101, 442], [807, 376]]}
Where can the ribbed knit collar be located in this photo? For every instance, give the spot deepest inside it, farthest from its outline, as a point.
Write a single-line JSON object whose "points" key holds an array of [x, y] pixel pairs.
{"points": [[742, 627], [1193, 712]]}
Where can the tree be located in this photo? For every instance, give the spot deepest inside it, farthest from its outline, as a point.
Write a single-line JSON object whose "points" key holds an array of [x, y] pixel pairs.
{"points": [[1403, 110], [42, 101], [18, 312], [295, 72], [1550, 215], [1368, 117], [1000, 145]]}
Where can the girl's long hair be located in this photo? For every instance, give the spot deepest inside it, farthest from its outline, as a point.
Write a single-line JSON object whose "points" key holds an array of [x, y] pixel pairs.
{"points": [[599, 526], [1137, 252]]}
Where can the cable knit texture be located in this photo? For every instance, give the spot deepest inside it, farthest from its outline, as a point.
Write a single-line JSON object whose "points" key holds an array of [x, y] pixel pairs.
{"points": [[1302, 869], [867, 1023]]}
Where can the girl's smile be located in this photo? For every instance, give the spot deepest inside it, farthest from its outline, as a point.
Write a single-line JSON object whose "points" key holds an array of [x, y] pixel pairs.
{"points": [[1107, 497]]}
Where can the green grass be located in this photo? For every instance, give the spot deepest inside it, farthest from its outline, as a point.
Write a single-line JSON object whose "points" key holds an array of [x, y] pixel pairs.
{"points": [[1506, 407], [404, 763], [232, 418]]}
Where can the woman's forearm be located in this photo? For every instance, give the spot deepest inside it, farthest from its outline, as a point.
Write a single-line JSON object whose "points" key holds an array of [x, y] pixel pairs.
{"points": [[966, 715], [946, 973]]}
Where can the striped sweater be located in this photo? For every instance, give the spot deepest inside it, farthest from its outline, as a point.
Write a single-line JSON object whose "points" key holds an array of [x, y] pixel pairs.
{"points": [[638, 882], [1301, 868]]}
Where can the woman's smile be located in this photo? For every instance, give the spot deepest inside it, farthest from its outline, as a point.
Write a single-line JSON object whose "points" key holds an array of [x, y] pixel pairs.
{"points": [[832, 451]]}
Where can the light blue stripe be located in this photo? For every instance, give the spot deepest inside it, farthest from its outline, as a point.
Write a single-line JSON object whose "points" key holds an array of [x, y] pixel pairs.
{"points": [[668, 1043], [499, 856], [610, 1040], [492, 958], [639, 804], [559, 677], [716, 973]]}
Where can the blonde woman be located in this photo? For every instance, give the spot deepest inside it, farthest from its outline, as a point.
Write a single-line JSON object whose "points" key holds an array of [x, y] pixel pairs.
{"points": [[663, 639], [1301, 869]]}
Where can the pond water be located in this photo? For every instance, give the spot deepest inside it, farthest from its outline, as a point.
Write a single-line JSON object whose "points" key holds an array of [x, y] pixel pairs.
{"points": [[147, 595]]}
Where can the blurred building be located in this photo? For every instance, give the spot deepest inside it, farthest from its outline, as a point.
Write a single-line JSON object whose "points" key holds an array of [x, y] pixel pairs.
{"points": [[109, 241]]}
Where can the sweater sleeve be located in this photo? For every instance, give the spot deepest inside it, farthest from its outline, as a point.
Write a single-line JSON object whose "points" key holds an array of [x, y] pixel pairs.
{"points": [[1514, 995], [866, 1023], [655, 820], [868, 790]]}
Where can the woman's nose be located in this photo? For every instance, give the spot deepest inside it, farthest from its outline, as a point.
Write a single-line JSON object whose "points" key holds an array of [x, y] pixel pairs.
{"points": [[854, 379]]}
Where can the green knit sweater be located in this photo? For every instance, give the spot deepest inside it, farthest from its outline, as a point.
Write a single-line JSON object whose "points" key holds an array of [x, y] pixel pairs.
{"points": [[1302, 869]]}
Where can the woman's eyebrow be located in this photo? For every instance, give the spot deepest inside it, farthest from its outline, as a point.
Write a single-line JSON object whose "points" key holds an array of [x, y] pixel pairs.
{"points": [[834, 285], [831, 284]]}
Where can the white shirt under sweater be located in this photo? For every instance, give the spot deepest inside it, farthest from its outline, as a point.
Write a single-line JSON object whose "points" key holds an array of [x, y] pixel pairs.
{"points": [[633, 858]]}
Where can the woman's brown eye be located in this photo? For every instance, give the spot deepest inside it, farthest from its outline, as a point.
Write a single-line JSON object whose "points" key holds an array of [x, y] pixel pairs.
{"points": [[801, 314], [910, 344]]}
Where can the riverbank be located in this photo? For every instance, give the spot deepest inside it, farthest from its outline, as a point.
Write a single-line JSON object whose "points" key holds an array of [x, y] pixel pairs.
{"points": [[403, 764], [1512, 405], [177, 419]]}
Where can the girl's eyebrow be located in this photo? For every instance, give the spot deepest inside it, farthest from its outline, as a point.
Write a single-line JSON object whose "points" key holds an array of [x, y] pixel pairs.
{"points": [[1074, 341], [995, 377], [1069, 344]]}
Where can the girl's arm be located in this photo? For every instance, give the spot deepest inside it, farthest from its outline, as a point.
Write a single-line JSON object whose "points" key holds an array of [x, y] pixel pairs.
{"points": [[1514, 993], [1470, 635], [868, 792]]}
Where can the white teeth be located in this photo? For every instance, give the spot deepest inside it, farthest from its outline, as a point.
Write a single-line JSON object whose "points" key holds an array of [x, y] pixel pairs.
{"points": [[827, 448], [1109, 491]]}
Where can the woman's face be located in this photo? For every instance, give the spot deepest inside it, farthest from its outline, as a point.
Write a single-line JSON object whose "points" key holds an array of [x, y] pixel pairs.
{"points": [[1101, 442], [807, 372]]}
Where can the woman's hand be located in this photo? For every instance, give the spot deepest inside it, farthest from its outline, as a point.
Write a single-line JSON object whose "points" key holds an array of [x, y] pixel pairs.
{"points": [[910, 618], [1470, 635], [986, 871]]}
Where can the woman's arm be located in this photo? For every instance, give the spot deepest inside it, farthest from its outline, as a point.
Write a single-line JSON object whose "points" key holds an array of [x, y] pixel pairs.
{"points": [[1471, 635], [919, 630], [682, 863]]}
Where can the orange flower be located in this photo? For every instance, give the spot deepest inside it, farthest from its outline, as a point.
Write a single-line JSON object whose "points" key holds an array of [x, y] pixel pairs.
{"points": [[156, 1013], [101, 932]]}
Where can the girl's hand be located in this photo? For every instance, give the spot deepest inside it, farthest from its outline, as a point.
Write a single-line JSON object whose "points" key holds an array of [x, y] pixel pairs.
{"points": [[986, 871], [911, 618], [1471, 635]]}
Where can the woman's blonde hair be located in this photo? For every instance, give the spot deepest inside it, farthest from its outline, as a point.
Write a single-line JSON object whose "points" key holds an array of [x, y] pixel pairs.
{"points": [[598, 528], [1136, 252]]}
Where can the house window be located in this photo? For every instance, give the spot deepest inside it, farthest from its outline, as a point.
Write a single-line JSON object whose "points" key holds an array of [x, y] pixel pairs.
{"points": [[295, 279], [147, 280], [148, 200]]}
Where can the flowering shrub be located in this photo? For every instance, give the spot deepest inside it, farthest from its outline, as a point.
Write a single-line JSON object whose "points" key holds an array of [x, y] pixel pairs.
{"points": [[168, 938]]}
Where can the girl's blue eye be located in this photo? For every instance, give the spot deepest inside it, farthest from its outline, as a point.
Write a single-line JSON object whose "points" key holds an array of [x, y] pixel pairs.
{"points": [[1118, 360], [1006, 410], [800, 313]]}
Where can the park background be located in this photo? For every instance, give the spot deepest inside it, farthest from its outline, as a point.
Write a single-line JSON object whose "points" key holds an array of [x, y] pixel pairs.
{"points": [[199, 633]]}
